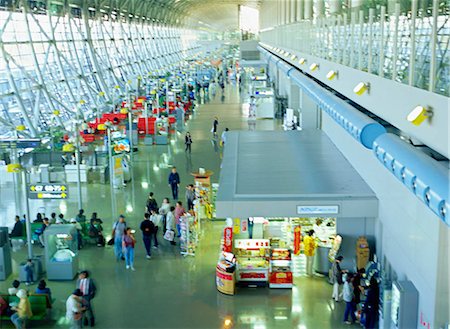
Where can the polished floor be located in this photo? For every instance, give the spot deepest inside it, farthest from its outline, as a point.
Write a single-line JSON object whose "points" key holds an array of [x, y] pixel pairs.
{"points": [[170, 291]]}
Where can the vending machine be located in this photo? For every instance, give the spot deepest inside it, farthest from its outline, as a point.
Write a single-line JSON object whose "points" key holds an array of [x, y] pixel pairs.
{"points": [[404, 305]]}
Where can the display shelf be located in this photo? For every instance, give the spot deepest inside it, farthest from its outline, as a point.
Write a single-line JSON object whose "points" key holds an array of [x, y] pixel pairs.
{"points": [[252, 258], [280, 268], [189, 235]]}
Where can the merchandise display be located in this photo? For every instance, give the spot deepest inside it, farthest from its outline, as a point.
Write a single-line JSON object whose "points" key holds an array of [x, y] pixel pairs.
{"points": [[225, 279], [252, 258], [189, 235], [280, 269]]}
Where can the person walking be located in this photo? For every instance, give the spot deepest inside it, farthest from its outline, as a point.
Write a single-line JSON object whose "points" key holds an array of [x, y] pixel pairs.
{"points": [[336, 277], [170, 222], [118, 233], [348, 297], [223, 138], [155, 219], [151, 203], [163, 210], [29, 270], [147, 227], [214, 127], [190, 197], [179, 211], [174, 182], [23, 310], [74, 309], [310, 246], [128, 243], [188, 142], [88, 289]]}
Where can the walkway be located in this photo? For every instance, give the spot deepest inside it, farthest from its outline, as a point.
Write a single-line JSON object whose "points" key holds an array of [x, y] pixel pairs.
{"points": [[169, 291]]}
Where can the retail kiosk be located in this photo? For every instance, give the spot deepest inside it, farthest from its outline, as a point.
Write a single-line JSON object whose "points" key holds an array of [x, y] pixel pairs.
{"points": [[277, 185]]}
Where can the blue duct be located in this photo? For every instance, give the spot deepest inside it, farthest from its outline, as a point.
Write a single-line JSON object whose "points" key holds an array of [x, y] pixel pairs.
{"points": [[361, 127], [422, 175], [284, 67]]}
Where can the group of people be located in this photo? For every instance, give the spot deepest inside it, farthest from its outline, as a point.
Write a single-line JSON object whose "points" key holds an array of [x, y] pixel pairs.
{"points": [[93, 228], [351, 294], [166, 216], [20, 312]]}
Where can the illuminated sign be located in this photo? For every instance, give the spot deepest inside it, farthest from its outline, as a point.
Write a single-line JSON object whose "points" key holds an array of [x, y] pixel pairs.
{"points": [[48, 191], [317, 210]]}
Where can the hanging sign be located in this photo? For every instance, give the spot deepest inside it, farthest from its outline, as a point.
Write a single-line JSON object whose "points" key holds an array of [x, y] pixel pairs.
{"points": [[236, 226], [48, 191], [228, 239], [297, 239], [317, 210]]}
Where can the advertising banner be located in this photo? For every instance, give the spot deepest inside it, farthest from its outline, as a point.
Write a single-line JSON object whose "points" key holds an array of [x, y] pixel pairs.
{"points": [[228, 239], [297, 239]]}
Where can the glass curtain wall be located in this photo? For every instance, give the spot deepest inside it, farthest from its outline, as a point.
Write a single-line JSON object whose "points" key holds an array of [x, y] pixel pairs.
{"points": [[58, 60]]}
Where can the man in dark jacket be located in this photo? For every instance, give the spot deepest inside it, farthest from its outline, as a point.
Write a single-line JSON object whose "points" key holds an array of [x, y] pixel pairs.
{"points": [[88, 288], [148, 228], [151, 203], [17, 229], [174, 182]]}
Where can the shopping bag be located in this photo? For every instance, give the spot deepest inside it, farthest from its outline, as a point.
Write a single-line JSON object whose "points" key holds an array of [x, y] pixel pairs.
{"points": [[169, 235]]}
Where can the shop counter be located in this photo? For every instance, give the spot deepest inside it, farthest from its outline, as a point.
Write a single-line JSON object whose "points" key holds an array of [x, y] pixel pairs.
{"points": [[225, 281]]}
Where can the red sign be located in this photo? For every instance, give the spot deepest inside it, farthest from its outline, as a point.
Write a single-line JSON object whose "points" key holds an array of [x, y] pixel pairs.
{"points": [[228, 239], [252, 275], [297, 239], [281, 277], [244, 225]]}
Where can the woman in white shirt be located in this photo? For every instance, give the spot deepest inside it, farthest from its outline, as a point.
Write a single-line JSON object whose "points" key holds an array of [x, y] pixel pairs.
{"points": [[163, 210], [170, 222]]}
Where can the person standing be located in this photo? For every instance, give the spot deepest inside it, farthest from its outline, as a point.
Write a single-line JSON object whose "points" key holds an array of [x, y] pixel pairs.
{"points": [[128, 243], [190, 197], [163, 210], [155, 219], [179, 211], [118, 233], [336, 277], [23, 310], [17, 230], [29, 270], [147, 227], [170, 222], [214, 127], [174, 182], [81, 218], [188, 142], [45, 224], [151, 203], [348, 297], [74, 309], [88, 290], [310, 246], [372, 304]]}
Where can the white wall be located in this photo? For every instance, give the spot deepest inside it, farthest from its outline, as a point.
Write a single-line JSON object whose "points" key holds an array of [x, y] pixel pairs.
{"points": [[410, 236]]}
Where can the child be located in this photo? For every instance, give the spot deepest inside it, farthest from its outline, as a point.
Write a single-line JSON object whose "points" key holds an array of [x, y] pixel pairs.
{"points": [[348, 299], [29, 269]]}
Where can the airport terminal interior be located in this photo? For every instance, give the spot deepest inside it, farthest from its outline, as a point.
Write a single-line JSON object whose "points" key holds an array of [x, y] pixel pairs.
{"points": [[255, 164]]}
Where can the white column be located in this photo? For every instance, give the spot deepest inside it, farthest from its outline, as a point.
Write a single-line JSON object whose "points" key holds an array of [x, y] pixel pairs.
{"points": [[308, 9], [300, 10]]}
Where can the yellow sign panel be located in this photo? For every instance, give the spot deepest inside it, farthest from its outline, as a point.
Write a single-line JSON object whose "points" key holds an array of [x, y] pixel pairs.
{"points": [[13, 168], [236, 226]]}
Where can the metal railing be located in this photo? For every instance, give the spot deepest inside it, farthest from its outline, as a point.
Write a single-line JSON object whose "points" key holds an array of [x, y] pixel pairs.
{"points": [[410, 44]]}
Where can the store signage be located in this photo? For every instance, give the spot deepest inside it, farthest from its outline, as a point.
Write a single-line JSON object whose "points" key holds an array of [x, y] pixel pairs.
{"points": [[236, 226], [22, 143], [48, 191], [297, 239], [252, 243], [228, 239], [317, 210], [244, 225]]}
